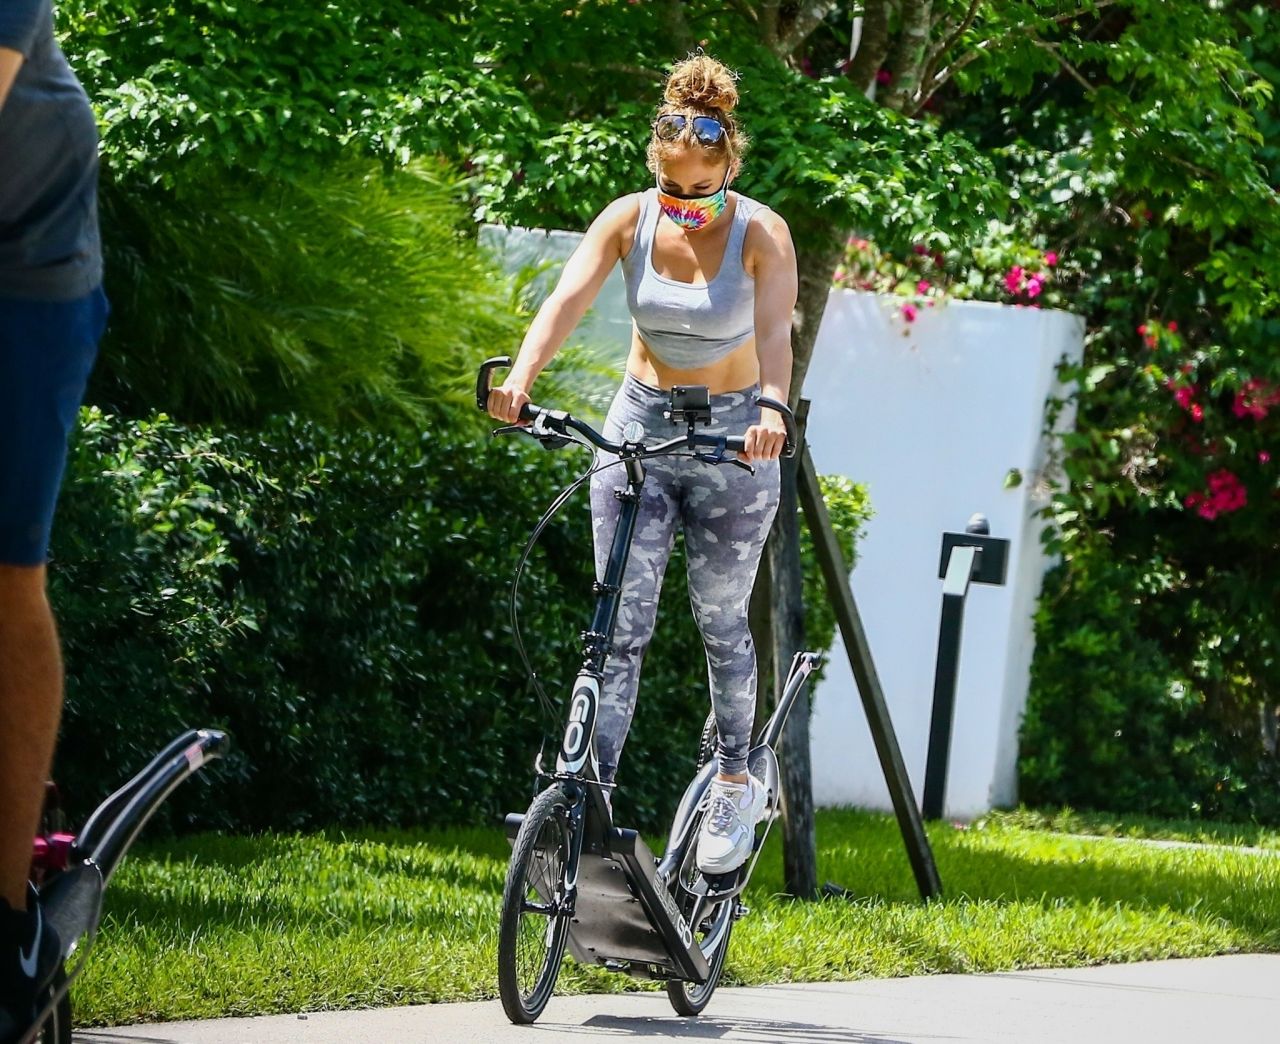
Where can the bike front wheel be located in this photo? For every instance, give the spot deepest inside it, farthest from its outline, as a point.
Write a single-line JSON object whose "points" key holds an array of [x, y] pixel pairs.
{"points": [[535, 915]]}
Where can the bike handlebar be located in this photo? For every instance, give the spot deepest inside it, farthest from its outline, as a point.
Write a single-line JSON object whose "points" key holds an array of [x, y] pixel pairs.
{"points": [[558, 420]]}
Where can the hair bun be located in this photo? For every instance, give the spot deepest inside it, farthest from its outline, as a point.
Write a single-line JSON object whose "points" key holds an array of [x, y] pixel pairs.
{"points": [[701, 82]]}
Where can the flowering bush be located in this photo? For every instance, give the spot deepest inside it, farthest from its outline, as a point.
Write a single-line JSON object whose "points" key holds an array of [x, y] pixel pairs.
{"points": [[1008, 272]]}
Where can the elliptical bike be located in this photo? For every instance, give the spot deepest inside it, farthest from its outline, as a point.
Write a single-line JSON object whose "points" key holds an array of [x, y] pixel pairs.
{"points": [[576, 880], [71, 871]]}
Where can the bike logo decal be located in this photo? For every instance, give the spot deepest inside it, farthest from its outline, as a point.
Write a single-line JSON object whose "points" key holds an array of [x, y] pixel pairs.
{"points": [[582, 724], [673, 911]]}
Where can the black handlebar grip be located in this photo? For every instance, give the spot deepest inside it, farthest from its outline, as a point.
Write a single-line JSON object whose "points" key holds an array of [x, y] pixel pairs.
{"points": [[788, 418], [482, 378]]}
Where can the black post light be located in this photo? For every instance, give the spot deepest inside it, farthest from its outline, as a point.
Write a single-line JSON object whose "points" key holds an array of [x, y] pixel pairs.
{"points": [[973, 556]]}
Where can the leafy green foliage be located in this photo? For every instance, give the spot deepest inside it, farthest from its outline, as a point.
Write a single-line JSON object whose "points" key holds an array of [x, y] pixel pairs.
{"points": [[346, 295], [1136, 145], [334, 599], [849, 506]]}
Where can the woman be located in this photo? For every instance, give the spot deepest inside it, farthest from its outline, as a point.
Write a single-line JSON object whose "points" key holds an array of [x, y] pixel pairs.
{"points": [[711, 284]]}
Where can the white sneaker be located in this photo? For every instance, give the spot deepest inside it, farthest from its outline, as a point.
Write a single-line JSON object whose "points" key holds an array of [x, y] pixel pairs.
{"points": [[729, 825]]}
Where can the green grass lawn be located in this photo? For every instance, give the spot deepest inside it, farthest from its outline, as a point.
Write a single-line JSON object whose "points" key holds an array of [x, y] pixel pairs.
{"points": [[209, 926]]}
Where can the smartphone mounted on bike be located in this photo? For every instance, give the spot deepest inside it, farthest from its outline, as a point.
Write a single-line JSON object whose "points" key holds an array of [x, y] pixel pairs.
{"points": [[690, 403]]}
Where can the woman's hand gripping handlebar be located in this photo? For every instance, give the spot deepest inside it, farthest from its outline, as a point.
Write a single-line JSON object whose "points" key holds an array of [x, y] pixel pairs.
{"points": [[552, 427]]}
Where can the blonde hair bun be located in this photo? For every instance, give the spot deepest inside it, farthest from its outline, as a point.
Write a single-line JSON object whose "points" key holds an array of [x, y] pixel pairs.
{"points": [[701, 82]]}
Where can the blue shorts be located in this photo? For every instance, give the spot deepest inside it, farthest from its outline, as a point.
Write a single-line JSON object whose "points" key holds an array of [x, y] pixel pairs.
{"points": [[47, 349]]}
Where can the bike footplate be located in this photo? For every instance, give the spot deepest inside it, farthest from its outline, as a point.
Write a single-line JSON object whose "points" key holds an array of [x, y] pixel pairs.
{"points": [[625, 914]]}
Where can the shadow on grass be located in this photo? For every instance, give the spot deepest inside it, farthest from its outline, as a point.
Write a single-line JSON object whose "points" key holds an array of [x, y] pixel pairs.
{"points": [[1196, 891], [869, 848]]}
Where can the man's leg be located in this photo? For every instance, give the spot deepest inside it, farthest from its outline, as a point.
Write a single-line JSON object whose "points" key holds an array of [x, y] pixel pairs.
{"points": [[47, 349], [30, 705]]}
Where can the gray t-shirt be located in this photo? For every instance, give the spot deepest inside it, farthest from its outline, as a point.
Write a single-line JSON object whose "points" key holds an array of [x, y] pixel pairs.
{"points": [[49, 246]]}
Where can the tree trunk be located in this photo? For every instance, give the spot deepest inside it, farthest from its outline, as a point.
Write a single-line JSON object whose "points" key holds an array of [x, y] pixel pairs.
{"points": [[777, 607], [799, 857]]}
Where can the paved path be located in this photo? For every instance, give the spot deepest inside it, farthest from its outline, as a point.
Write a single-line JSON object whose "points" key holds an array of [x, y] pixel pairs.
{"points": [[1222, 1000]]}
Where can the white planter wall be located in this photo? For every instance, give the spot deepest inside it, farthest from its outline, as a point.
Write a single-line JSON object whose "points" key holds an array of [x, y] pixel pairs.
{"points": [[931, 422]]}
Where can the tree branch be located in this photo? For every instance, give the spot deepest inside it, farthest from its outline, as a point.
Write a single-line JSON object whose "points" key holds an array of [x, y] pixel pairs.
{"points": [[745, 8], [935, 55], [905, 59], [808, 18], [1120, 117], [873, 46], [767, 19], [932, 80]]}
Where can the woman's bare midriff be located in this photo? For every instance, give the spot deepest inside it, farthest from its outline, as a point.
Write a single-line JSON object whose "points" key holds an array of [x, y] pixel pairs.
{"points": [[737, 370]]}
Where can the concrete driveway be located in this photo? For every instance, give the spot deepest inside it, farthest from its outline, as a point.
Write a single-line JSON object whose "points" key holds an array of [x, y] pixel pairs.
{"points": [[1221, 1000]]}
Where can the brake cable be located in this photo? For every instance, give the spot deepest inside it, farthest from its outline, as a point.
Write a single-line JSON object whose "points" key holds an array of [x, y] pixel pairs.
{"points": [[547, 706]]}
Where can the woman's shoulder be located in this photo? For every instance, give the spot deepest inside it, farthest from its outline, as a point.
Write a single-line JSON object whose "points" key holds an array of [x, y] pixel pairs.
{"points": [[767, 237], [621, 218], [763, 222]]}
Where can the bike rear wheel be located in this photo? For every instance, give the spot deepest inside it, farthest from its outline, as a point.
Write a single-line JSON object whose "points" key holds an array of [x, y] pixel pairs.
{"points": [[712, 925], [535, 922], [690, 998]]}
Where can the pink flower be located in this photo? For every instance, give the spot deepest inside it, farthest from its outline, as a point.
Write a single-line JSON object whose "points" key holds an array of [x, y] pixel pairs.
{"points": [[840, 274], [1051, 258], [909, 312], [1142, 330], [1013, 281], [1172, 326], [1184, 395], [1197, 412], [883, 76], [920, 248], [922, 287], [1255, 399], [1264, 457], [1033, 286]]}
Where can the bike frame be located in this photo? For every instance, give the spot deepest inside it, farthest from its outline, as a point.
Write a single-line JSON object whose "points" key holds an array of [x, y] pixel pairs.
{"points": [[577, 761]]}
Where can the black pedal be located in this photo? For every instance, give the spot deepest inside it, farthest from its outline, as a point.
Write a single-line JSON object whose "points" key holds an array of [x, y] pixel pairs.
{"points": [[718, 884]]}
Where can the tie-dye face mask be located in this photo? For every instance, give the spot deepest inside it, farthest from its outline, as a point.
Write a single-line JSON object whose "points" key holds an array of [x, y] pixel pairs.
{"points": [[693, 213]]}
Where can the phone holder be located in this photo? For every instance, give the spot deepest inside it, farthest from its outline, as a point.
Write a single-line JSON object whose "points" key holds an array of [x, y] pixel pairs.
{"points": [[690, 403]]}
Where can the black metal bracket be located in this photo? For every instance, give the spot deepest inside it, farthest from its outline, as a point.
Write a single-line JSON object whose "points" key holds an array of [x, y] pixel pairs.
{"points": [[969, 557]]}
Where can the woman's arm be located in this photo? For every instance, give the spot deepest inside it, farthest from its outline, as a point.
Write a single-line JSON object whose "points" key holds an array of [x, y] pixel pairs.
{"points": [[777, 285], [583, 275]]}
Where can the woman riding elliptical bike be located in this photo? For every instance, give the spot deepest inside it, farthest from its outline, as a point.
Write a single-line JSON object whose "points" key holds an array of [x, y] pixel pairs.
{"points": [[711, 285]]}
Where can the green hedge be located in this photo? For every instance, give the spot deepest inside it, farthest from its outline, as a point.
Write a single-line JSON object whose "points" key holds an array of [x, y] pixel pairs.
{"points": [[338, 600]]}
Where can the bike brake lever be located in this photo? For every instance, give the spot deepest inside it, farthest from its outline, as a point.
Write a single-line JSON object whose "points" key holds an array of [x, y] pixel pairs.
{"points": [[511, 429], [720, 458]]}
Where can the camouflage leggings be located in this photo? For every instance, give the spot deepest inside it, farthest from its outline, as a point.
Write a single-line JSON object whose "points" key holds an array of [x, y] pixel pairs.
{"points": [[726, 514]]}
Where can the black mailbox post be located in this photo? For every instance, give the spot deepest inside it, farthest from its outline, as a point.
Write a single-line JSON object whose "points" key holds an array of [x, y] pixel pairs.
{"points": [[973, 556]]}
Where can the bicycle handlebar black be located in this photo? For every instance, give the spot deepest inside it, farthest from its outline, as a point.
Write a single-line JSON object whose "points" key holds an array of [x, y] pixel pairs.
{"points": [[559, 420]]}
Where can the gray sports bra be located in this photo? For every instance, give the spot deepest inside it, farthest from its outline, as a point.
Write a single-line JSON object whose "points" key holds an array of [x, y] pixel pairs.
{"points": [[688, 325]]}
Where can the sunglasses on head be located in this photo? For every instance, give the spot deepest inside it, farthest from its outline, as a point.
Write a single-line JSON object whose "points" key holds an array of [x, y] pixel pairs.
{"points": [[707, 129]]}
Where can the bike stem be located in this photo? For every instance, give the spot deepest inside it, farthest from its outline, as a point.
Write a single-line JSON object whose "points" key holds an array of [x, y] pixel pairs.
{"points": [[597, 640]]}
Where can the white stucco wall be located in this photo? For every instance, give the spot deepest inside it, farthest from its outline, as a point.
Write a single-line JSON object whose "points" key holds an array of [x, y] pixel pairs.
{"points": [[932, 422]]}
